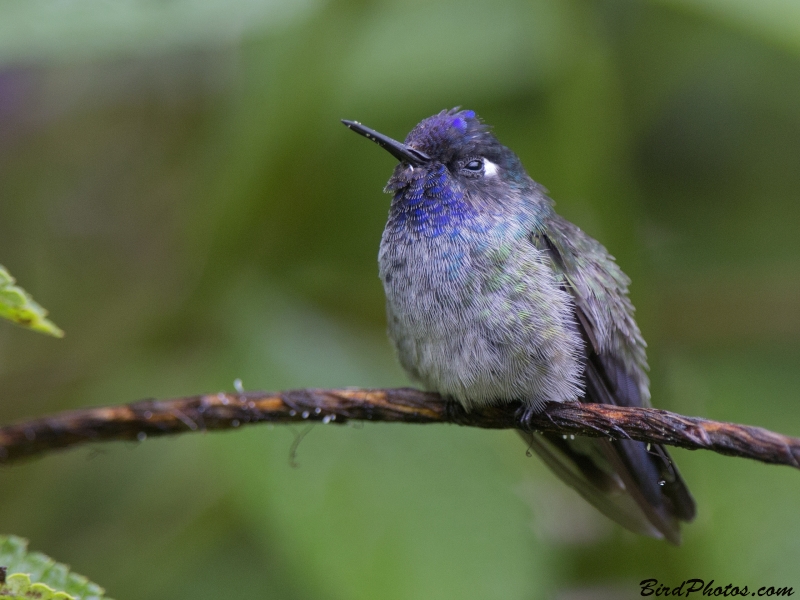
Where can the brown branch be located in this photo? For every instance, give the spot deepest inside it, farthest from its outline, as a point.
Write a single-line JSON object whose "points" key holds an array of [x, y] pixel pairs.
{"points": [[148, 418]]}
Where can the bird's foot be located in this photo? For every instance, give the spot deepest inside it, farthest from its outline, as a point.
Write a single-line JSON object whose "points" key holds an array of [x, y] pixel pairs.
{"points": [[453, 411], [525, 415]]}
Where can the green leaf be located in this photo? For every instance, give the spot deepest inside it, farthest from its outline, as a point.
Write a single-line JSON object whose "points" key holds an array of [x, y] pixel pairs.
{"points": [[16, 305], [34, 575]]}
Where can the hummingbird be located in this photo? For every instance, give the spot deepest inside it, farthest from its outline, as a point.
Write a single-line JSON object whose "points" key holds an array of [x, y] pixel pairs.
{"points": [[493, 298]]}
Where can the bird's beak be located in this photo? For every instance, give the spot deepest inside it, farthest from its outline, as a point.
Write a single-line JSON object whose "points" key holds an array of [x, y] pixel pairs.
{"points": [[401, 152]]}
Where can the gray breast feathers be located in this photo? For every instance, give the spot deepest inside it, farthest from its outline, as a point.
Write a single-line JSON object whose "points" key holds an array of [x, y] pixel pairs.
{"points": [[489, 324]]}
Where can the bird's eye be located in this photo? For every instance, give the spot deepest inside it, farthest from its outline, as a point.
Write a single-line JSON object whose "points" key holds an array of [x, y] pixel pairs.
{"points": [[474, 165]]}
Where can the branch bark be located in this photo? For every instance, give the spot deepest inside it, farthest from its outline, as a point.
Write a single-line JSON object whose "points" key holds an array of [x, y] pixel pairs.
{"points": [[147, 418]]}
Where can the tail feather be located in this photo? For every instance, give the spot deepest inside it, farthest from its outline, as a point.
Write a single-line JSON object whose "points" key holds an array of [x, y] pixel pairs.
{"points": [[604, 491], [638, 487]]}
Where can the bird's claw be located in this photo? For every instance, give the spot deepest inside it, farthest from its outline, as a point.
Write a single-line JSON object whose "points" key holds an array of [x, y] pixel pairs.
{"points": [[525, 415]]}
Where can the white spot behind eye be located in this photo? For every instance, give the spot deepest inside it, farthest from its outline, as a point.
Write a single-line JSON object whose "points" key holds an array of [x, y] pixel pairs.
{"points": [[489, 168]]}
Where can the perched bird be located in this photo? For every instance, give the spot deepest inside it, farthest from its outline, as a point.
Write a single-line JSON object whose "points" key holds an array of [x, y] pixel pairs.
{"points": [[494, 298]]}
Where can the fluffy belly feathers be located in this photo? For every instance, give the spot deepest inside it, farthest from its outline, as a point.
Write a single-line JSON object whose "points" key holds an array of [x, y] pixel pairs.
{"points": [[486, 326]]}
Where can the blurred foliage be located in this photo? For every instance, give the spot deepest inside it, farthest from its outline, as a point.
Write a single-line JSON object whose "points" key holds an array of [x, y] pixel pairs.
{"points": [[17, 306], [34, 575], [177, 188]]}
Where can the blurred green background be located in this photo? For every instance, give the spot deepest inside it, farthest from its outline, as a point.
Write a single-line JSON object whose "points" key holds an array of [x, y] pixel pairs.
{"points": [[175, 186]]}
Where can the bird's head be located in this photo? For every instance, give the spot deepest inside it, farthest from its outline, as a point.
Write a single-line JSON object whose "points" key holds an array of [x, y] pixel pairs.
{"points": [[451, 165], [454, 139]]}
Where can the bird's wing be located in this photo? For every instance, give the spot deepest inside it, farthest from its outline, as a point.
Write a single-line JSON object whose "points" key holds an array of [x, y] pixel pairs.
{"points": [[634, 483]]}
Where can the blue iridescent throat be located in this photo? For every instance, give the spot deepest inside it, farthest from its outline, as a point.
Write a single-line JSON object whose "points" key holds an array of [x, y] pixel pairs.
{"points": [[428, 205]]}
